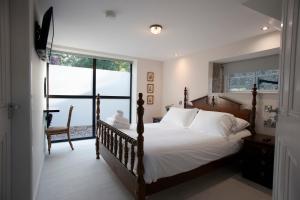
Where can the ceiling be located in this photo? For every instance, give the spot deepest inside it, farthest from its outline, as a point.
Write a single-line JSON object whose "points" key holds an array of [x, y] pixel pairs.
{"points": [[188, 25]]}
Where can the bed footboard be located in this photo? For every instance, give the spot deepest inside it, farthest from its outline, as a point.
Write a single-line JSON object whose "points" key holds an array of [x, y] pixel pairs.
{"points": [[123, 153]]}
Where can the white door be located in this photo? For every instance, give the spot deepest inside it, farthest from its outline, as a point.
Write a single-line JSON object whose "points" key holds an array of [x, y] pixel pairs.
{"points": [[4, 102], [287, 153]]}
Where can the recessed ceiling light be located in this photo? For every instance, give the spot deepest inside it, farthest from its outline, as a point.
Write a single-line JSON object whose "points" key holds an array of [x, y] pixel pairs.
{"points": [[155, 29], [265, 28], [110, 14]]}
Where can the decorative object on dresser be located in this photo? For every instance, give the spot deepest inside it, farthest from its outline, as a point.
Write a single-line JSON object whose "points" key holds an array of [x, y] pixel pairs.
{"points": [[125, 154], [150, 88], [150, 76], [150, 99], [156, 119], [258, 159]]}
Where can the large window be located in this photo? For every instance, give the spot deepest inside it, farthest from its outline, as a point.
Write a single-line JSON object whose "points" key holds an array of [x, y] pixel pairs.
{"points": [[76, 80], [266, 80]]}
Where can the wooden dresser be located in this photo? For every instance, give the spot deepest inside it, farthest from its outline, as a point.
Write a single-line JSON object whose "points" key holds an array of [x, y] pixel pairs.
{"points": [[258, 159]]}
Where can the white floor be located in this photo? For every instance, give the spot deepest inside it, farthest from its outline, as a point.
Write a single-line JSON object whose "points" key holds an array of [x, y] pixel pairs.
{"points": [[77, 175]]}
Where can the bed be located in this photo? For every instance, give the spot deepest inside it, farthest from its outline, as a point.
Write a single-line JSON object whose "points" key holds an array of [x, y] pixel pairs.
{"points": [[152, 157]]}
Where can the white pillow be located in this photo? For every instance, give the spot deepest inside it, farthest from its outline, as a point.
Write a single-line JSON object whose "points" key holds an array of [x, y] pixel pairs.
{"points": [[179, 116], [240, 125], [214, 123]]}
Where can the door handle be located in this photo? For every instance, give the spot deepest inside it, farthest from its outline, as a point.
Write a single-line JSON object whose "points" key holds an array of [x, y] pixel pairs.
{"points": [[11, 108]]}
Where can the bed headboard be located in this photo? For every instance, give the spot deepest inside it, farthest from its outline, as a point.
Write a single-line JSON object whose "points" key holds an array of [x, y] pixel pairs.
{"points": [[225, 104]]}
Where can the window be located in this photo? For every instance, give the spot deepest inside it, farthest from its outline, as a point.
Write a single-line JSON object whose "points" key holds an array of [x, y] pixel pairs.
{"points": [[76, 80], [70, 75], [266, 80]]}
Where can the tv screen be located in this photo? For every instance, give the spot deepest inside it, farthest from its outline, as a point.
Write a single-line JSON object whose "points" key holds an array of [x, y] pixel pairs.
{"points": [[41, 34]]}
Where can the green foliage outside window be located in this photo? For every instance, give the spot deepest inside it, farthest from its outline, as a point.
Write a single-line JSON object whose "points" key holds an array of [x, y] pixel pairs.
{"points": [[66, 59]]}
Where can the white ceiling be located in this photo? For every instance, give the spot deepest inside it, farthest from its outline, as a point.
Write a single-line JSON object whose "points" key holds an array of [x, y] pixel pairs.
{"points": [[188, 25]]}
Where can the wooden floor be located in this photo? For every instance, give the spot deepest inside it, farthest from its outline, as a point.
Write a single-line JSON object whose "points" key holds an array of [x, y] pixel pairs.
{"points": [[77, 175]]}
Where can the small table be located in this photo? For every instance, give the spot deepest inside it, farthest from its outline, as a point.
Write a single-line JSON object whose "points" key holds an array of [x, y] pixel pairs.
{"points": [[258, 159], [49, 116]]}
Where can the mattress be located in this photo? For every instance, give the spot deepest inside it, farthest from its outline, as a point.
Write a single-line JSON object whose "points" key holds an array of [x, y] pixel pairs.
{"points": [[170, 150]]}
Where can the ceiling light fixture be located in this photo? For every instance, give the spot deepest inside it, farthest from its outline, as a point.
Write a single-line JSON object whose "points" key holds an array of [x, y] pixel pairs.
{"points": [[155, 29], [265, 28]]}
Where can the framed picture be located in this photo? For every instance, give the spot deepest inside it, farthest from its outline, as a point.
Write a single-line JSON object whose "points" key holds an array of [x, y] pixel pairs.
{"points": [[150, 76], [150, 88], [150, 99]]}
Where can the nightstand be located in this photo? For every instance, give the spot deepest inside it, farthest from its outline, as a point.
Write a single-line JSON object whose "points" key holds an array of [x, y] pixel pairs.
{"points": [[156, 119], [258, 159]]}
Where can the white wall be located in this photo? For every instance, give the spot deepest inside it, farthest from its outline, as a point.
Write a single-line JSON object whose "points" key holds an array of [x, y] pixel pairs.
{"points": [[145, 66], [38, 101], [193, 70], [38, 72], [38, 104]]}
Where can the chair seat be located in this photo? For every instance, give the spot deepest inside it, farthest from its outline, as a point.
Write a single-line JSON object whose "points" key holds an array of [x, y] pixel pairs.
{"points": [[56, 130]]}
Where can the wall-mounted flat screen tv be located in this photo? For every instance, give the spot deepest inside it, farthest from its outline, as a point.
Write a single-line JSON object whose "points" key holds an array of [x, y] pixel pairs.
{"points": [[41, 34]]}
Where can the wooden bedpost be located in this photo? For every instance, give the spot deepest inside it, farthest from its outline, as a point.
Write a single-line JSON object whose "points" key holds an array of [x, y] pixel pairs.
{"points": [[253, 114], [213, 101], [185, 98], [140, 193], [97, 128]]}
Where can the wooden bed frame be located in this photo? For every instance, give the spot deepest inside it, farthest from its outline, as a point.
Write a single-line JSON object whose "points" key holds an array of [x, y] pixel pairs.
{"points": [[115, 146]]}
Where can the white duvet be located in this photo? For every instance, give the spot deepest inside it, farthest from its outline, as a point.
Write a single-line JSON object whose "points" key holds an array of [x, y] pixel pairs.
{"points": [[169, 151]]}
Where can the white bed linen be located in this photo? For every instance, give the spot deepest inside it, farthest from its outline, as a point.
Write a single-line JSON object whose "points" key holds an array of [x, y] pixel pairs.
{"points": [[169, 151]]}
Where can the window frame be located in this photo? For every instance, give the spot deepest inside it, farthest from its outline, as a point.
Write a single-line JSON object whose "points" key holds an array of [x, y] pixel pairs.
{"points": [[93, 96]]}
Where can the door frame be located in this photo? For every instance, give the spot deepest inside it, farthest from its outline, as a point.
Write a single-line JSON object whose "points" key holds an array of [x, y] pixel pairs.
{"points": [[5, 61]]}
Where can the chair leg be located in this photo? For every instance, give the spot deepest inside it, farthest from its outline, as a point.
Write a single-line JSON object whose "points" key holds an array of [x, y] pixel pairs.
{"points": [[49, 143], [69, 139]]}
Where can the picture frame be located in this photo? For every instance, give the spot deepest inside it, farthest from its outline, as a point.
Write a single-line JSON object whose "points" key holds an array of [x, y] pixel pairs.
{"points": [[150, 76], [150, 88], [150, 99]]}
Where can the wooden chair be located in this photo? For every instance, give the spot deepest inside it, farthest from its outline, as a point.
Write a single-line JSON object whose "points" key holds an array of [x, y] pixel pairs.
{"points": [[60, 130]]}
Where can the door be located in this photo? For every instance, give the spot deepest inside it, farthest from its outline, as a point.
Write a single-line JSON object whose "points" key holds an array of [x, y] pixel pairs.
{"points": [[4, 102], [287, 153]]}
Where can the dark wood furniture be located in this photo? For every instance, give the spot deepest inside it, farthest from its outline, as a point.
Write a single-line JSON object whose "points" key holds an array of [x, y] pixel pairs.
{"points": [[122, 152], [60, 130], [48, 115], [156, 119], [258, 159]]}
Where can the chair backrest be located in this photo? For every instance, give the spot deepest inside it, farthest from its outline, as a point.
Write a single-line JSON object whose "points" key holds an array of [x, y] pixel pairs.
{"points": [[70, 115]]}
